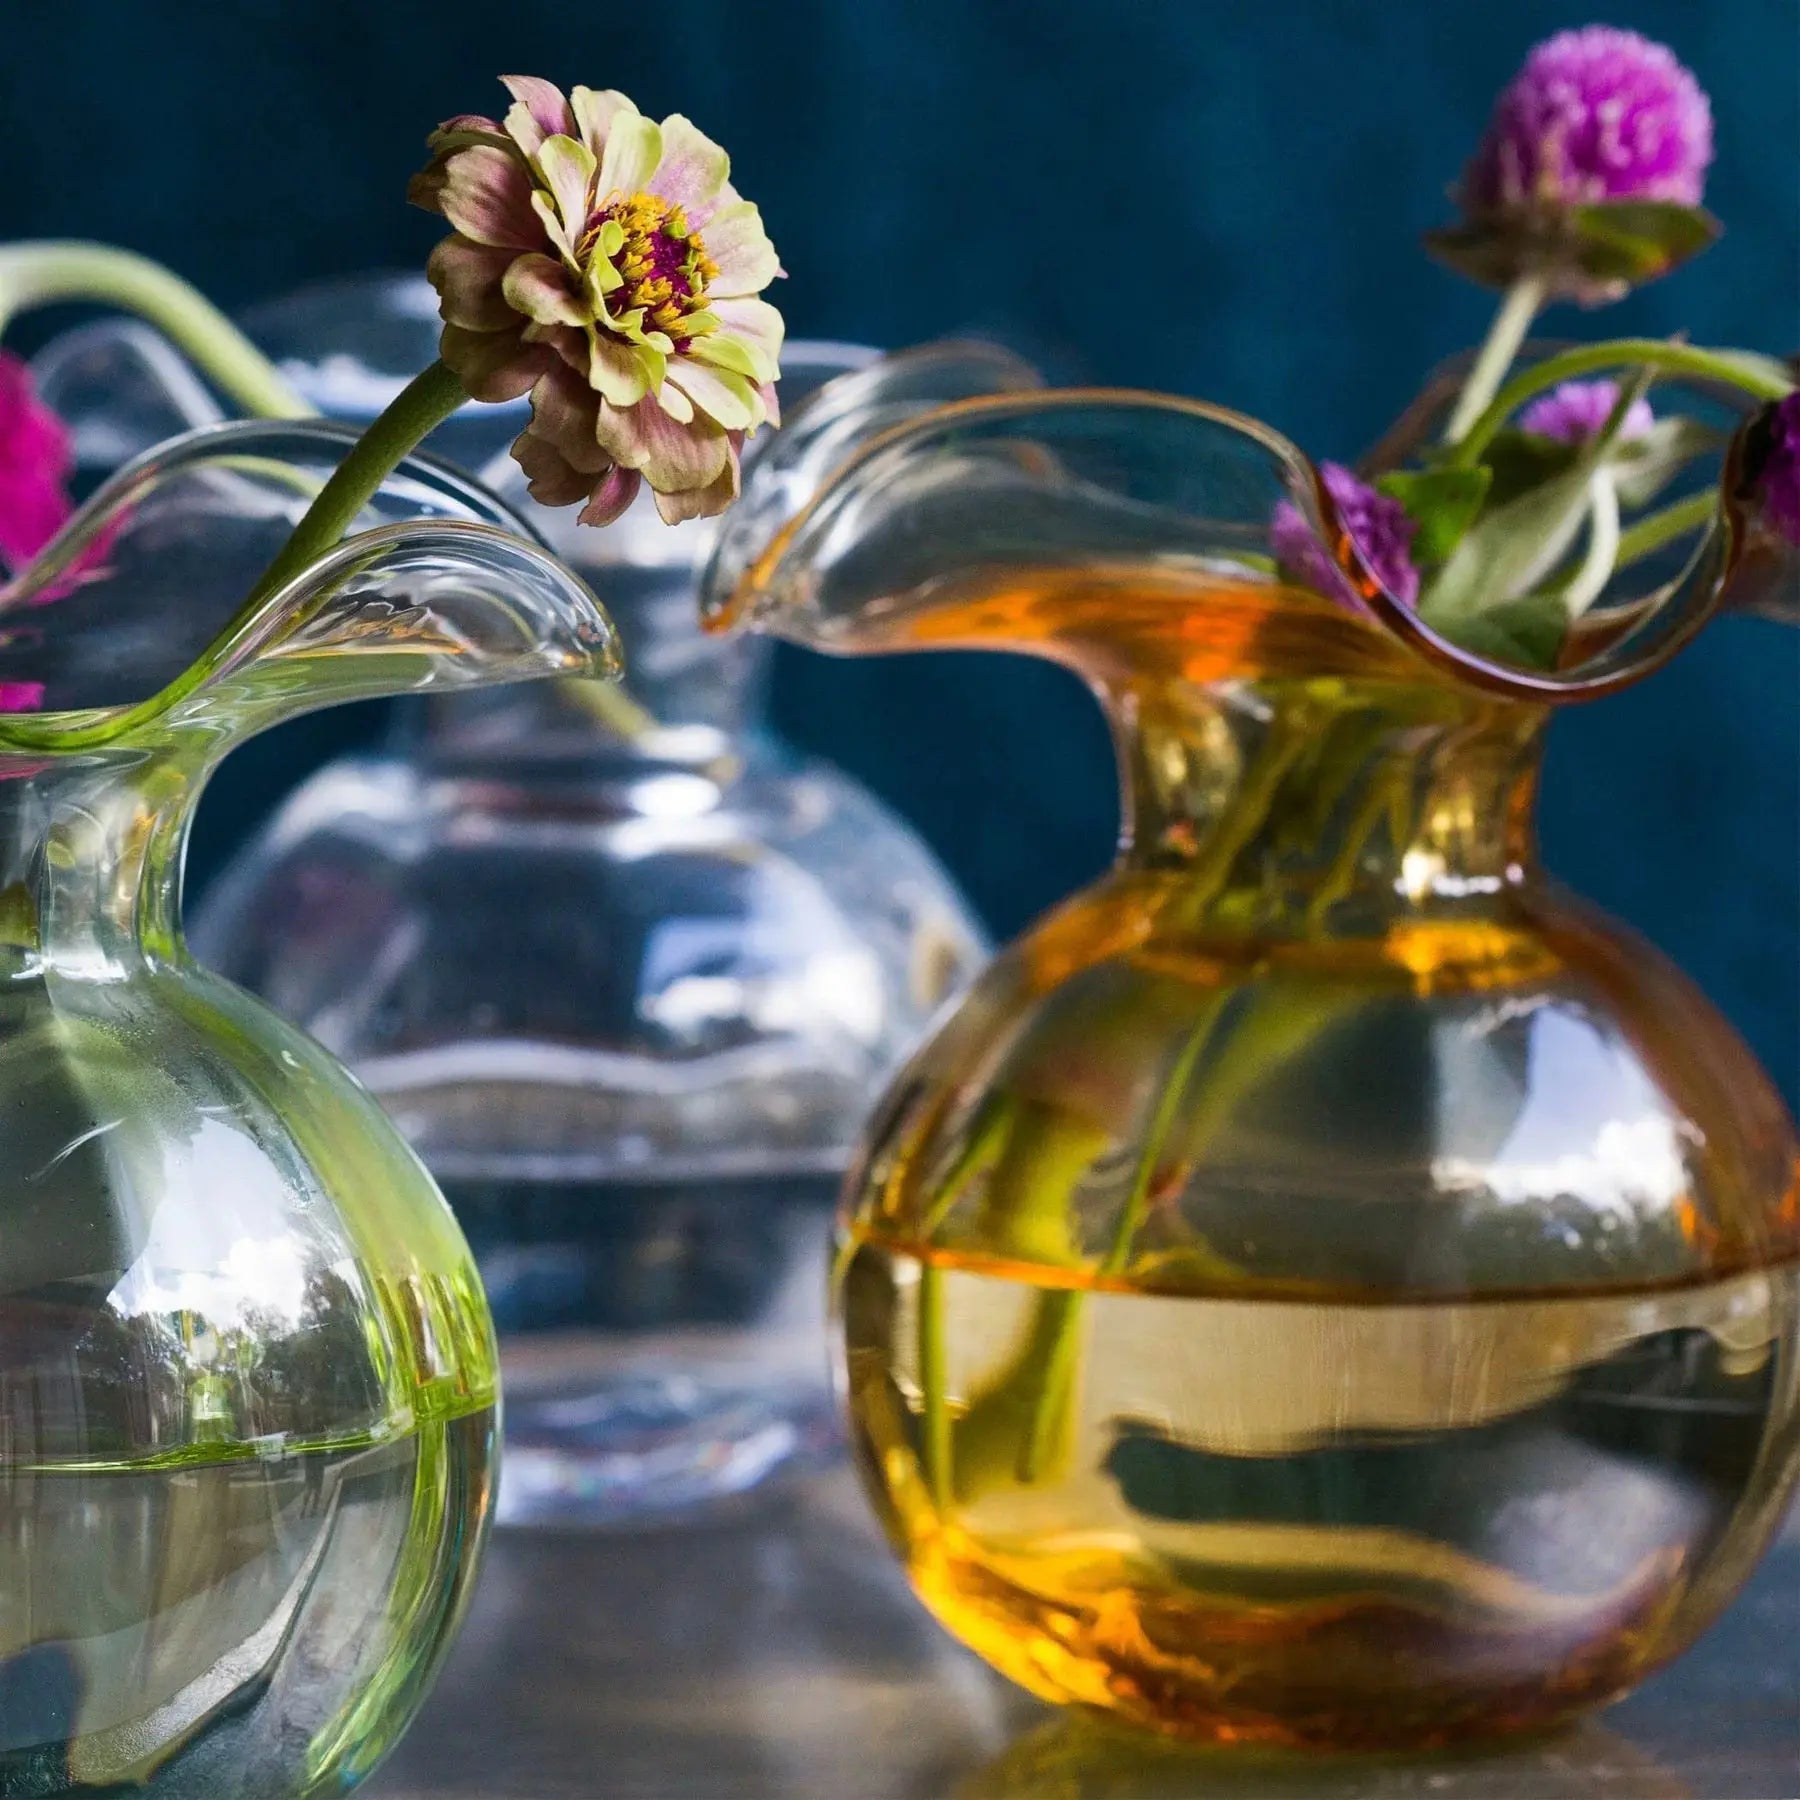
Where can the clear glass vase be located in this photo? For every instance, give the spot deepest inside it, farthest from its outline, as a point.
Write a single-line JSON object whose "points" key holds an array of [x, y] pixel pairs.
{"points": [[627, 978], [1325, 1286], [247, 1375]]}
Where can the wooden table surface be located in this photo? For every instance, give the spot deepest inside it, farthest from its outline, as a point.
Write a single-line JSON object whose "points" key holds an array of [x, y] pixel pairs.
{"points": [[781, 1655]]}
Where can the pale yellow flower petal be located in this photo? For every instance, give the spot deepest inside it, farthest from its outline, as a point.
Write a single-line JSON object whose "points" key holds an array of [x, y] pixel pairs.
{"points": [[633, 149], [595, 110], [756, 325], [737, 243], [541, 288], [567, 166], [616, 371], [721, 395], [692, 169]]}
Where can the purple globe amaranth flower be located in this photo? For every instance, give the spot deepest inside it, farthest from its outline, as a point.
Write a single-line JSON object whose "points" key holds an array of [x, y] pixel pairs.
{"points": [[1775, 479], [1594, 115], [21, 696], [35, 459], [1381, 529], [1576, 411]]}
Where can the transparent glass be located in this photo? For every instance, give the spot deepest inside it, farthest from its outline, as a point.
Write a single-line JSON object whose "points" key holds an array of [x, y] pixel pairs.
{"points": [[628, 979], [1325, 1286], [247, 1375]]}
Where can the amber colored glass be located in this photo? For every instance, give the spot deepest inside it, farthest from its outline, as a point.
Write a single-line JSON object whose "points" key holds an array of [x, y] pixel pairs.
{"points": [[1326, 1286]]}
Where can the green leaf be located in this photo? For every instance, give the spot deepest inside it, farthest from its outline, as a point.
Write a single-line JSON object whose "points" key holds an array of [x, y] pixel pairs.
{"points": [[1526, 633], [1442, 503], [1587, 253], [1634, 241], [1521, 460], [1644, 466], [1508, 551]]}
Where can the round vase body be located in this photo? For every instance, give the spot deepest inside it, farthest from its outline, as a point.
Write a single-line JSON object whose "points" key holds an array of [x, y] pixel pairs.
{"points": [[1325, 1287], [249, 1393]]}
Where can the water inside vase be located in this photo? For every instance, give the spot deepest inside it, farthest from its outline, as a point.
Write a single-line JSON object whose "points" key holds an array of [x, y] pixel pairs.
{"points": [[1341, 1523], [236, 1623], [662, 1338]]}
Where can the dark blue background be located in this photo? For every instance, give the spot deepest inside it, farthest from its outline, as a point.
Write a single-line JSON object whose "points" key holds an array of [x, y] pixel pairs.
{"points": [[1220, 199]]}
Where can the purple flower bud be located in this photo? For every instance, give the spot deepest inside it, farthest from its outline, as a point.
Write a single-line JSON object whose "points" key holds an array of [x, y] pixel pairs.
{"points": [[1574, 412], [1594, 115], [1775, 480], [1381, 529]]}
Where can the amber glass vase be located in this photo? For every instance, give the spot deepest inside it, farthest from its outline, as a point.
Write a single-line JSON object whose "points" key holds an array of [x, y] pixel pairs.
{"points": [[1326, 1286]]}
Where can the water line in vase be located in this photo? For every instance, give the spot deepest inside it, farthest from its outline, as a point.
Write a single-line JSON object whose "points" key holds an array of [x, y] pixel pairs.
{"points": [[1234, 1043]]}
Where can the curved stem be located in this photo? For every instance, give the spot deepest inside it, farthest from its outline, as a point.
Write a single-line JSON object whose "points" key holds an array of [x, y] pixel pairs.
{"points": [[1649, 353], [38, 273], [1523, 301], [418, 409], [1656, 529], [1596, 570], [608, 704]]}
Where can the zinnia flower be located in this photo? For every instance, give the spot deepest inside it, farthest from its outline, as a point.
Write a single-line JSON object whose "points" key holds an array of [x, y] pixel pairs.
{"points": [[35, 460], [605, 264], [1381, 529], [1574, 412], [1594, 115]]}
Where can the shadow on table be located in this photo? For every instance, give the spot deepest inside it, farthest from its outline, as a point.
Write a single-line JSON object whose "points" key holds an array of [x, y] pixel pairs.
{"points": [[781, 1656], [1074, 1758]]}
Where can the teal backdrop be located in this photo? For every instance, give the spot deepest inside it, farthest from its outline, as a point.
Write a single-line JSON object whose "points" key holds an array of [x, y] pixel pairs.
{"points": [[1219, 199]]}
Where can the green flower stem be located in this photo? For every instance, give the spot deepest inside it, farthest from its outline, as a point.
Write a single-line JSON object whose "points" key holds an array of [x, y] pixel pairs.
{"points": [[38, 273], [1380, 799], [610, 705], [1050, 1423], [934, 1377], [1156, 1140], [1601, 558], [1649, 353], [1656, 529], [1523, 302], [414, 413], [986, 1144]]}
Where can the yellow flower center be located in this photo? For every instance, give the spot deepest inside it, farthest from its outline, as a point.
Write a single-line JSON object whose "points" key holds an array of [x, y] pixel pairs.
{"points": [[662, 265]]}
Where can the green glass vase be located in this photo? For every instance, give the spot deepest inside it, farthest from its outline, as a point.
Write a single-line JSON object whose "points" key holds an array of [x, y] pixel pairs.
{"points": [[248, 1404]]}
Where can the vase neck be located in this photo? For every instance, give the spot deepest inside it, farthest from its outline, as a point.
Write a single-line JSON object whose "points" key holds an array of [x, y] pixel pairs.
{"points": [[91, 848], [1292, 804]]}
